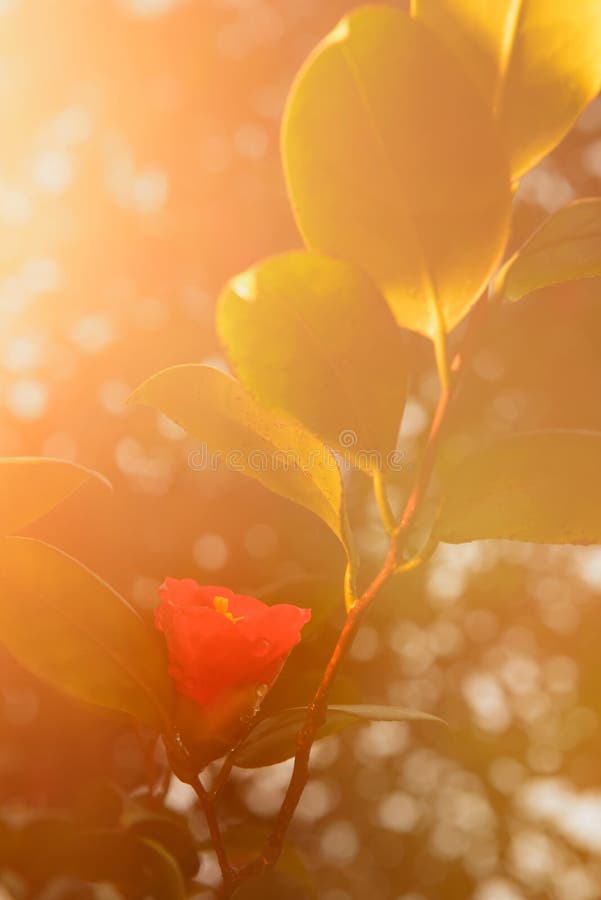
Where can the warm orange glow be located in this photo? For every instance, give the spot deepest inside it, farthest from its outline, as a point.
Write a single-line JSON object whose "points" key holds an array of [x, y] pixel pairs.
{"points": [[333, 431]]}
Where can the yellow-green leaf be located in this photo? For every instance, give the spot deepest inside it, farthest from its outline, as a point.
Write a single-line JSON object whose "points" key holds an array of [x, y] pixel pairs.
{"points": [[273, 739], [542, 487], [392, 162], [537, 62], [31, 486], [268, 446], [71, 629], [315, 337], [566, 247]]}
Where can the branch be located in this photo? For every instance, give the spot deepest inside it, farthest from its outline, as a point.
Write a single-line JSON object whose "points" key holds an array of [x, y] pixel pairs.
{"points": [[427, 461], [184, 768], [316, 712], [317, 709], [223, 775], [228, 873]]}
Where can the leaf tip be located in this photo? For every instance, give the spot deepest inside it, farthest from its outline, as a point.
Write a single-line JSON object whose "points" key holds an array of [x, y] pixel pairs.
{"points": [[245, 285]]}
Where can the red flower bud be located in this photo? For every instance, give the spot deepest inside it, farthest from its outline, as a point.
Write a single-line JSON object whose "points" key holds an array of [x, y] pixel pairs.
{"points": [[220, 643]]}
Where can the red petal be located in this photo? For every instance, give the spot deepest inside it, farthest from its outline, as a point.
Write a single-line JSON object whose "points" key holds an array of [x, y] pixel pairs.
{"points": [[205, 651], [210, 656], [277, 631], [248, 607], [179, 591]]}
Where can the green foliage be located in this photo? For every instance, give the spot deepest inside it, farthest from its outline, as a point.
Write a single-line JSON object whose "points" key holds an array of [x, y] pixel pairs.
{"points": [[171, 835], [165, 876], [138, 866], [401, 139], [313, 336], [393, 163], [565, 248], [274, 739], [268, 446], [31, 486], [537, 63], [541, 487], [71, 629]]}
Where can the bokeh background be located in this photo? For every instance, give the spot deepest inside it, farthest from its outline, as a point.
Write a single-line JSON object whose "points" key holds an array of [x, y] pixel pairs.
{"points": [[139, 170]]}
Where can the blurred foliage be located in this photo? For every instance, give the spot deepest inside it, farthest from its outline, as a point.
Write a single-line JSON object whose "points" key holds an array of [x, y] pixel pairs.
{"points": [[140, 169]]}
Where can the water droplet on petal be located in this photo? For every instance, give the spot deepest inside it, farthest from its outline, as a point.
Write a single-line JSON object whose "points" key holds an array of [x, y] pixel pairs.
{"points": [[261, 647], [261, 692]]}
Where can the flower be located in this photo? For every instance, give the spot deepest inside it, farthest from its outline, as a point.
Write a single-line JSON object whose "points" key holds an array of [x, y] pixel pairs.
{"points": [[222, 644]]}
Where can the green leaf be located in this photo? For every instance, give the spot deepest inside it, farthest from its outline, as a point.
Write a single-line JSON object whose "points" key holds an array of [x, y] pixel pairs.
{"points": [[53, 848], [273, 739], [314, 336], [537, 62], [393, 163], [30, 486], [566, 247], [171, 833], [164, 875], [268, 446], [542, 487], [71, 629]]}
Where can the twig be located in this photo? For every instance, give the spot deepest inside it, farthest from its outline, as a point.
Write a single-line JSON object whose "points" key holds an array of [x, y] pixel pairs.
{"points": [[421, 557], [223, 775], [441, 351], [426, 463], [317, 709], [316, 712], [186, 771], [228, 873]]}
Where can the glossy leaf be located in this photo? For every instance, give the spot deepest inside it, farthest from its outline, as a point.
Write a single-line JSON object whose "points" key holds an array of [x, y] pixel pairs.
{"points": [[129, 861], [537, 62], [50, 849], [165, 875], [273, 739], [268, 446], [392, 162], [173, 836], [566, 247], [31, 486], [542, 487], [314, 336], [70, 628]]}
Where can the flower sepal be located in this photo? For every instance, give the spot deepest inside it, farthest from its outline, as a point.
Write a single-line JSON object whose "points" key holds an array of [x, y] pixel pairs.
{"points": [[209, 734]]}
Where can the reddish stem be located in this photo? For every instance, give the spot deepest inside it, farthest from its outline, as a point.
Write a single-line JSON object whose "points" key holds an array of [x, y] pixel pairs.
{"points": [[316, 712], [228, 873]]}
